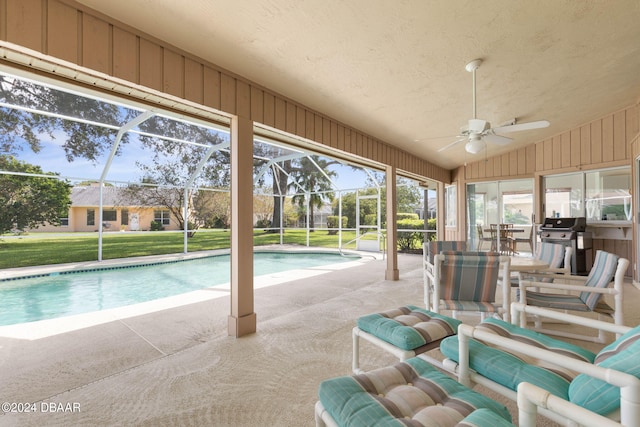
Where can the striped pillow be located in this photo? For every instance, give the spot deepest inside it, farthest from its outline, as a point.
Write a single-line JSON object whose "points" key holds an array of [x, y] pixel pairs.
{"points": [[408, 328], [469, 277], [597, 395], [409, 393]]}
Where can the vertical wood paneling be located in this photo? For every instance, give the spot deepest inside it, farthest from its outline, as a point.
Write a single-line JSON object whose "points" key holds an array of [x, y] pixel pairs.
{"points": [[280, 113], [340, 137], [556, 152], [62, 32], [522, 161], [243, 99], [575, 147], [24, 23], [317, 128], [532, 155], [172, 73], [257, 105], [310, 125], [596, 141], [348, 140], [269, 109], [620, 144], [633, 127], [212, 90], [301, 122], [333, 139], [585, 145], [125, 55], [539, 156], [3, 19], [326, 131], [193, 81], [548, 154], [512, 162], [96, 44], [228, 94], [291, 117], [482, 169], [565, 150], [150, 65], [607, 139]]}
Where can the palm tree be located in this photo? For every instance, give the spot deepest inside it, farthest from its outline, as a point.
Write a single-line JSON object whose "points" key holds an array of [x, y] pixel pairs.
{"points": [[312, 176]]}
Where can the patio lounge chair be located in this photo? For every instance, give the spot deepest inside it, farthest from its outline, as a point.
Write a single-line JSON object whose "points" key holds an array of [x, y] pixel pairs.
{"points": [[430, 250], [467, 281], [586, 296], [500, 356]]}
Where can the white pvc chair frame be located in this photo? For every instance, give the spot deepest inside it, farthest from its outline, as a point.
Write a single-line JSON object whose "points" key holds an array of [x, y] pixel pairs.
{"points": [[531, 398], [504, 283], [629, 385], [616, 291]]}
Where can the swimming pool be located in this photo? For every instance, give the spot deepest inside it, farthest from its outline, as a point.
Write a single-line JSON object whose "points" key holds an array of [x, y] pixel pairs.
{"points": [[63, 294]]}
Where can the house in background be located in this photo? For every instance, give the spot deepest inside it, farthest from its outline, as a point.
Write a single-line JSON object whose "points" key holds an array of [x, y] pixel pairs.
{"points": [[120, 212]]}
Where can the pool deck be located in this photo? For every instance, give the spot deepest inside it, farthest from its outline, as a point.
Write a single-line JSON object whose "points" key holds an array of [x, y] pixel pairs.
{"points": [[179, 367], [128, 371]]}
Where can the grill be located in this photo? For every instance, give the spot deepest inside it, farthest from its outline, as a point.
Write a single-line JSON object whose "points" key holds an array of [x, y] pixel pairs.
{"points": [[570, 232]]}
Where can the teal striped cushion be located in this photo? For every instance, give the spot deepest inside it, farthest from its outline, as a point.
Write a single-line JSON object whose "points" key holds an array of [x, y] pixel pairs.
{"points": [[509, 369], [598, 396], [484, 418], [410, 393], [551, 253], [408, 327]]}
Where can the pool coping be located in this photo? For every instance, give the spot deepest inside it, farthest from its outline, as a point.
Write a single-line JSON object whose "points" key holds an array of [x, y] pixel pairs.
{"points": [[49, 327]]}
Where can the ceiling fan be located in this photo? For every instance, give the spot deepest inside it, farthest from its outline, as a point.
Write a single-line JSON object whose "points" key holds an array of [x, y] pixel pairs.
{"points": [[478, 132]]}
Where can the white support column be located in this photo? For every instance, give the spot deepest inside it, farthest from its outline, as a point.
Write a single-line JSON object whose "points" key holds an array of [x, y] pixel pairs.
{"points": [[392, 272], [242, 320]]}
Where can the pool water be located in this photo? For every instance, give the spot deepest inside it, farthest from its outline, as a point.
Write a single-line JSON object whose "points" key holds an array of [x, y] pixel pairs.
{"points": [[57, 295]]}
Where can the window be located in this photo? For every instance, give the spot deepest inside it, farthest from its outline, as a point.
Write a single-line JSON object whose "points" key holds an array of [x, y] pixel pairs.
{"points": [[607, 195], [124, 217], [451, 214], [161, 216], [597, 195], [64, 222], [91, 217], [109, 215], [563, 196]]}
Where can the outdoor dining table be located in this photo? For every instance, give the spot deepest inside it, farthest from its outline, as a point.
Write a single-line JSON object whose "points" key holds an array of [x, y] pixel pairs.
{"points": [[509, 229], [521, 265]]}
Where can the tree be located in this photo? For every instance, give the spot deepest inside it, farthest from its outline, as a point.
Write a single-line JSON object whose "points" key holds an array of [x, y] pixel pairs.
{"points": [[83, 140], [312, 176], [173, 166], [30, 201]]}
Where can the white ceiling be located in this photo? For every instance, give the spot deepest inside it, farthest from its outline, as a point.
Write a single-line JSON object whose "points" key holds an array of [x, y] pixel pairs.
{"points": [[395, 69]]}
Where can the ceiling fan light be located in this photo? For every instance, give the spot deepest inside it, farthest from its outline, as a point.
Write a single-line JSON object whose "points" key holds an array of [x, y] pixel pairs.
{"points": [[474, 146]]}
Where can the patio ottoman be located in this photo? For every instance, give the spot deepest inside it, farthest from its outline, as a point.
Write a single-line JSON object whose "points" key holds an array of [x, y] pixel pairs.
{"points": [[408, 393], [404, 332]]}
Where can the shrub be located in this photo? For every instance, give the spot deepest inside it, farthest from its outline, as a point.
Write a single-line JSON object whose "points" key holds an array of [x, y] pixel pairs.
{"points": [[406, 215], [332, 222], [156, 226], [263, 223], [408, 240]]}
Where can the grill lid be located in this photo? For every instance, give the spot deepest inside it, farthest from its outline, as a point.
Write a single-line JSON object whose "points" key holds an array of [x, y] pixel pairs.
{"points": [[564, 224]]}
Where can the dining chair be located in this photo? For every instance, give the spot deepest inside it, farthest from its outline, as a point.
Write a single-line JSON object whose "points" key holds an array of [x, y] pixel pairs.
{"points": [[482, 237]]}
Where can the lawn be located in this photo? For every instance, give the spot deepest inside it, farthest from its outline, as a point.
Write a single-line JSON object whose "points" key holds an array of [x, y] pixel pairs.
{"points": [[58, 248]]}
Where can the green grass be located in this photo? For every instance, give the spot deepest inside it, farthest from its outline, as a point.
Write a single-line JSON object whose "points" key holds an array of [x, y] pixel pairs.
{"points": [[58, 248]]}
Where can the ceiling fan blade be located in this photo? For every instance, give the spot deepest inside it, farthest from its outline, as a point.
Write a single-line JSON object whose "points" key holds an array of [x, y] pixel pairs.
{"points": [[497, 139], [453, 144], [521, 126]]}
